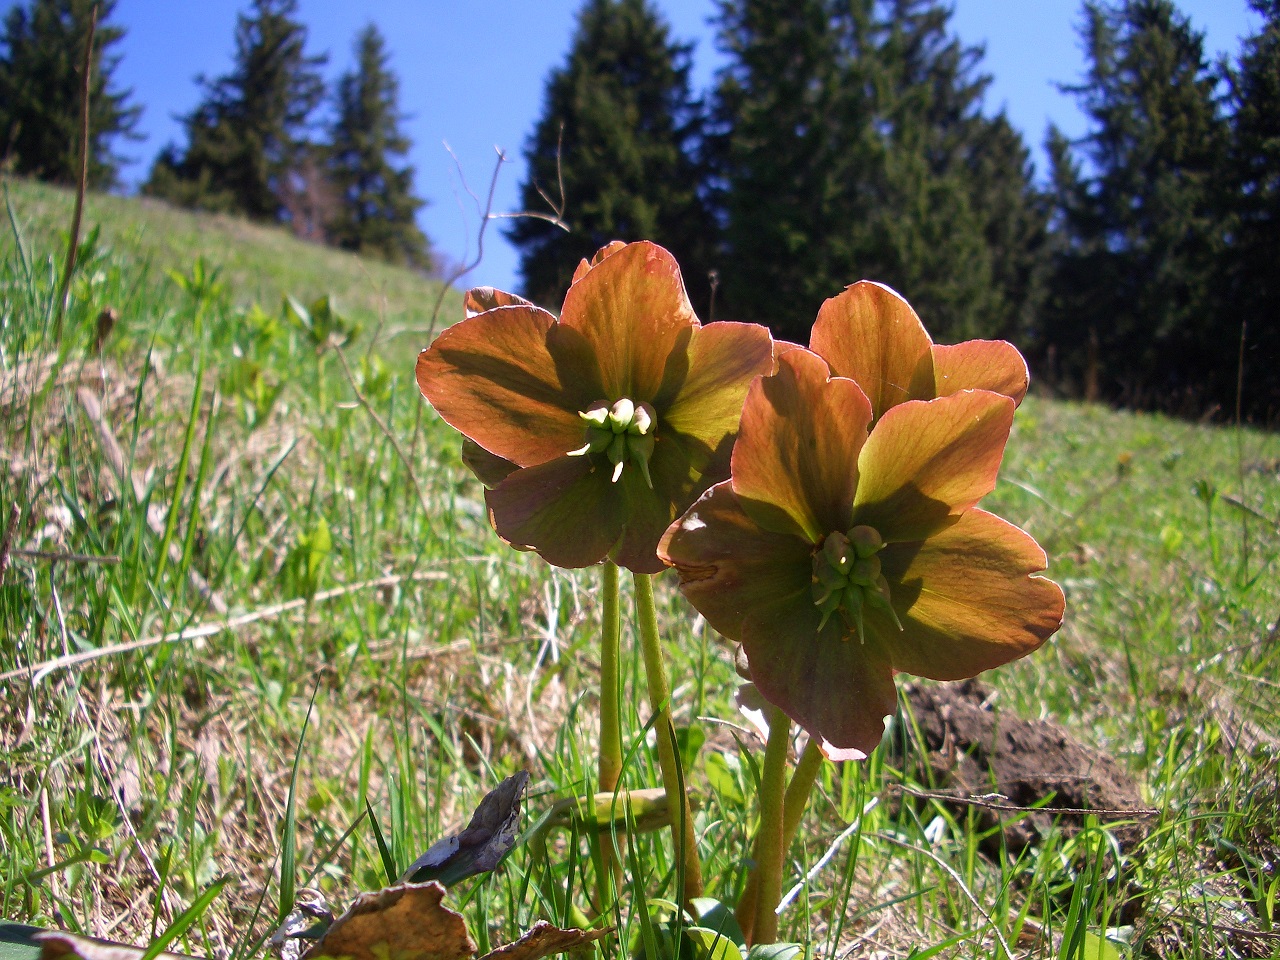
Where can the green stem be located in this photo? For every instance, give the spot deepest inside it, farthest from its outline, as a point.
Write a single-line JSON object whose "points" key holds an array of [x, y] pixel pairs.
{"points": [[798, 791], [770, 849], [607, 865], [794, 804], [682, 833], [610, 724]]}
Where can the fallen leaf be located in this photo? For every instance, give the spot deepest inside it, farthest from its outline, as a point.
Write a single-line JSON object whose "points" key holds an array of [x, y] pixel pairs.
{"points": [[57, 945], [480, 848], [544, 940], [404, 922]]}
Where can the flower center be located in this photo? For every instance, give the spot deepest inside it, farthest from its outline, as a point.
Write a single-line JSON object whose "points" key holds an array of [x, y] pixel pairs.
{"points": [[846, 577], [623, 431]]}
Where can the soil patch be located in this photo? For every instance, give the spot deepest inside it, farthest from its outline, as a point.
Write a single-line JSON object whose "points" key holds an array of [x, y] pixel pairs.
{"points": [[975, 751]]}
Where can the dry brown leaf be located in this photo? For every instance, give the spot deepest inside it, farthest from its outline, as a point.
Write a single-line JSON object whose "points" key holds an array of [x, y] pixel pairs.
{"points": [[56, 945], [544, 940], [404, 922]]}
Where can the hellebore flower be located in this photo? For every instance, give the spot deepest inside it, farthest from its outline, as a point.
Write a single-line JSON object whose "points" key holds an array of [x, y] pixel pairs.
{"points": [[870, 334], [838, 554], [594, 431]]}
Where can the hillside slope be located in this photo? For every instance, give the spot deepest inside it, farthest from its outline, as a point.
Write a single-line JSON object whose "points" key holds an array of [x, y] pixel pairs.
{"points": [[145, 238], [288, 564]]}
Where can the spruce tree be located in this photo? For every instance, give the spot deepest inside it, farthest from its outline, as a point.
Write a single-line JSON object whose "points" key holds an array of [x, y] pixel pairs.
{"points": [[1134, 307], [619, 131], [375, 205], [1250, 272], [954, 222], [782, 154], [248, 136], [851, 144], [41, 89]]}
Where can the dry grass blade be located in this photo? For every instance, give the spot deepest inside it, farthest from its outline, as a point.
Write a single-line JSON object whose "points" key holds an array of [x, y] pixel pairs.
{"points": [[6, 538], [40, 670]]}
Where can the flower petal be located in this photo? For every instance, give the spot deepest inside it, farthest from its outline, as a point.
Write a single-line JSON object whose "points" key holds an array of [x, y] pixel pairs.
{"points": [[706, 386], [631, 308], [795, 463], [731, 568], [980, 365], [513, 380], [870, 334], [838, 687], [967, 598], [489, 469], [928, 461], [754, 585], [677, 468], [565, 509], [613, 246], [479, 299]]}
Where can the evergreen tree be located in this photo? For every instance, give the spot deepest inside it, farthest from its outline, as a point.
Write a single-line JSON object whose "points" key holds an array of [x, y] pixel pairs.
{"points": [[852, 145], [1251, 271], [955, 223], [781, 154], [375, 202], [1133, 308], [41, 91], [618, 131], [248, 137]]}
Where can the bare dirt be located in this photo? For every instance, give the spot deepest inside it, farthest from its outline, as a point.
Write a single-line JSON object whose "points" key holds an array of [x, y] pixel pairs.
{"points": [[999, 762]]}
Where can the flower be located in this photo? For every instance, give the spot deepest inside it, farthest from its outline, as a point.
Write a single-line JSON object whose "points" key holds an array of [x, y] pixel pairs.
{"points": [[839, 553], [870, 334], [594, 431]]}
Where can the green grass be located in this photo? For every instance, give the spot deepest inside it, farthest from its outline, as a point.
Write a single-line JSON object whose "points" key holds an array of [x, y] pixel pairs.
{"points": [[131, 782]]}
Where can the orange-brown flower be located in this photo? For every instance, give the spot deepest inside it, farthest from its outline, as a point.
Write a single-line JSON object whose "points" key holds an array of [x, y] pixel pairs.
{"points": [[846, 546], [870, 334], [595, 430]]}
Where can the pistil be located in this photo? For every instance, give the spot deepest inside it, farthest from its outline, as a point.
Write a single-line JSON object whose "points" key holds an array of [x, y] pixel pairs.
{"points": [[623, 431]]}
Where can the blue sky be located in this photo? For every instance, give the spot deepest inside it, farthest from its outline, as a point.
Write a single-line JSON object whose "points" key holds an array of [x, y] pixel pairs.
{"points": [[472, 75]]}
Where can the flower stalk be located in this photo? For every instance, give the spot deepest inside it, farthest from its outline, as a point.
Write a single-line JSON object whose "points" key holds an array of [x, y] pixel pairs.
{"points": [[758, 908], [610, 768], [794, 804], [610, 720], [684, 839]]}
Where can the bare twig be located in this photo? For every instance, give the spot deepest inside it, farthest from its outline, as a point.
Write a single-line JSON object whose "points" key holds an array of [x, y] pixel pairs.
{"points": [[54, 557], [213, 628], [6, 538], [74, 239], [465, 268], [386, 432], [1256, 514], [987, 802], [556, 216]]}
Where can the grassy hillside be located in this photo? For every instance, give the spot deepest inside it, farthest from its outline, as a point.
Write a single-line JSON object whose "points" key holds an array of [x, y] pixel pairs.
{"points": [[380, 641], [140, 240]]}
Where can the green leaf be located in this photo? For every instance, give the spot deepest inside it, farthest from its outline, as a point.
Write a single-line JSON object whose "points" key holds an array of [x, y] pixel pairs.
{"points": [[689, 741], [722, 778], [710, 945], [185, 919], [718, 916], [775, 951], [16, 942], [1098, 948], [1171, 539]]}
